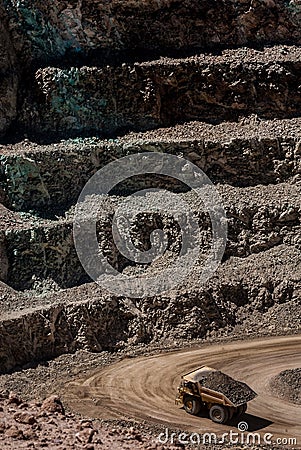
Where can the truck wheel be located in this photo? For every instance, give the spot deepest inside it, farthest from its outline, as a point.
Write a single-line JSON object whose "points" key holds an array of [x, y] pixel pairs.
{"points": [[241, 410], [192, 405], [219, 414]]}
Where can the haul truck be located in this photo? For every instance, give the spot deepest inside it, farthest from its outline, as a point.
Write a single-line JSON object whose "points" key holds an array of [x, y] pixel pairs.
{"points": [[221, 395]]}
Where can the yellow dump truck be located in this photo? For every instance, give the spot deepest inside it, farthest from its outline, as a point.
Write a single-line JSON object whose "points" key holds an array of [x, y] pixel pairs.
{"points": [[210, 389]]}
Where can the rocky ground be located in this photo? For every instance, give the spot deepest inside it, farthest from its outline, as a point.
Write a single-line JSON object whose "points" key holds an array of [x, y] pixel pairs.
{"points": [[45, 424], [235, 391]]}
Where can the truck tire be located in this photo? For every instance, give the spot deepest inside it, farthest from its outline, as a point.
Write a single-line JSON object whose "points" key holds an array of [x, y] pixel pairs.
{"points": [[192, 405], [240, 410], [219, 414]]}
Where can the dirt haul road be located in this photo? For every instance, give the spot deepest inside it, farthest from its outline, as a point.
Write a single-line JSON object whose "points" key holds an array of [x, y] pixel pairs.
{"points": [[144, 388]]}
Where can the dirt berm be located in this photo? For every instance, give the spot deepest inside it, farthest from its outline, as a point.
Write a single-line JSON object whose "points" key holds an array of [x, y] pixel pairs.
{"points": [[287, 385]]}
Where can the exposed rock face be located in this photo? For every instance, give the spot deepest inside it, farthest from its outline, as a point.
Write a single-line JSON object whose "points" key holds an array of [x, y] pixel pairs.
{"points": [[164, 92], [43, 251], [4, 264], [58, 329], [38, 177], [8, 75], [7, 294], [34, 328], [106, 67], [36, 33], [50, 29]]}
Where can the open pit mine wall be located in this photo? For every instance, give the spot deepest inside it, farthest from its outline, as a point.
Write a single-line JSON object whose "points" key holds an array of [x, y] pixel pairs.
{"points": [[72, 68], [43, 176], [51, 331], [37, 34], [95, 321], [48, 251], [142, 96]]}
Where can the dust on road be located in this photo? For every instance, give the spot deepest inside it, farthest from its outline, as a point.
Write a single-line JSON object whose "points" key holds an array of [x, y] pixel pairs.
{"points": [[144, 388]]}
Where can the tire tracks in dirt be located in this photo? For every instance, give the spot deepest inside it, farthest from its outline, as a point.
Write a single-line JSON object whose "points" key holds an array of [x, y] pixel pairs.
{"points": [[144, 388]]}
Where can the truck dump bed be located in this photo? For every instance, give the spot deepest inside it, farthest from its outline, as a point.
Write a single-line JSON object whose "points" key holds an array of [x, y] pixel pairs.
{"points": [[237, 392]]}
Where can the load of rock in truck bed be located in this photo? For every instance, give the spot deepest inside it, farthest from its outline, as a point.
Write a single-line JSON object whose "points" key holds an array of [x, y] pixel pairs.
{"points": [[236, 391]]}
